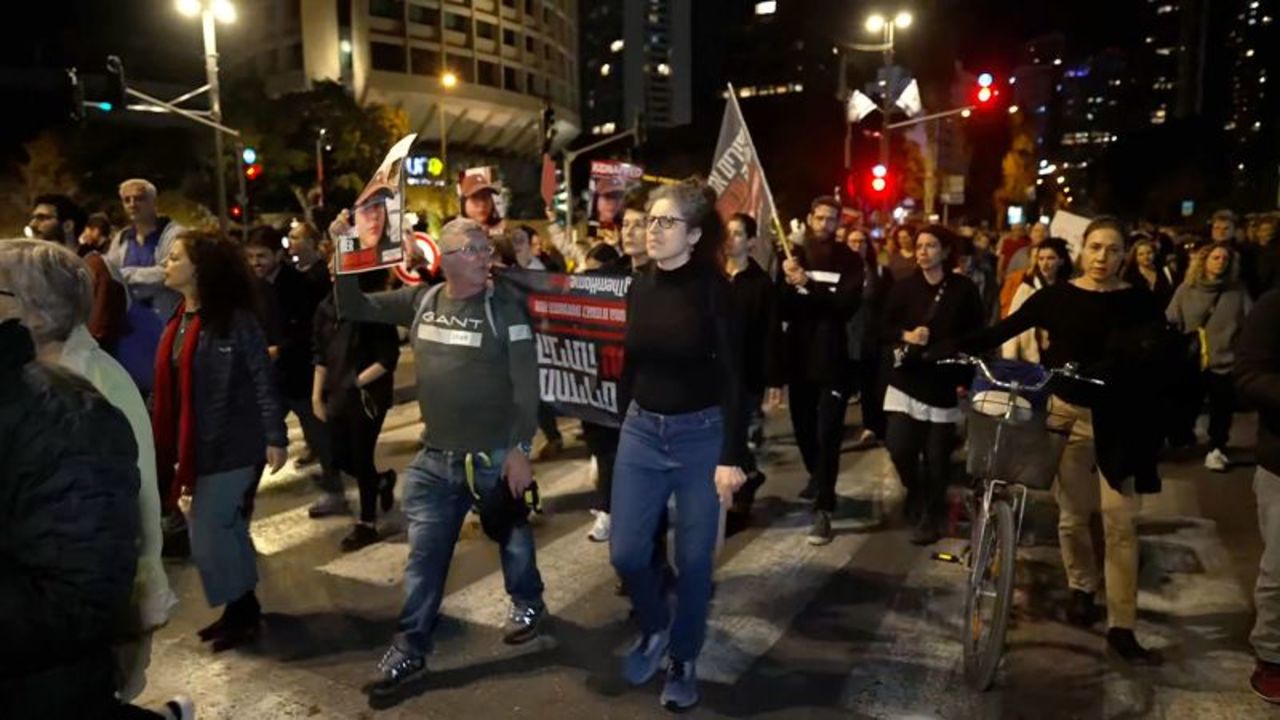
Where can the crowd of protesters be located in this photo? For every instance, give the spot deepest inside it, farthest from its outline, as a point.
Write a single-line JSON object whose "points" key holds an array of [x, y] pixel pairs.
{"points": [[195, 347]]}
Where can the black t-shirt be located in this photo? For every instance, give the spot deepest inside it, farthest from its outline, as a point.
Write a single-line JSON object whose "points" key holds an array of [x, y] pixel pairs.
{"points": [[684, 349]]}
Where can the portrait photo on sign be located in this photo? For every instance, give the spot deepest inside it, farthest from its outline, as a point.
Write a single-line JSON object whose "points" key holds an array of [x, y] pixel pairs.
{"points": [[610, 182], [377, 235]]}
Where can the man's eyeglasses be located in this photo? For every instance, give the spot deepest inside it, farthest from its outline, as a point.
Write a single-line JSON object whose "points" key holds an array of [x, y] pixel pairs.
{"points": [[472, 251], [666, 222]]}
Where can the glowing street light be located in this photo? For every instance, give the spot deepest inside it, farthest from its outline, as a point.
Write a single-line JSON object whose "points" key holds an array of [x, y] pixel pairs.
{"points": [[903, 20], [449, 80], [875, 23]]}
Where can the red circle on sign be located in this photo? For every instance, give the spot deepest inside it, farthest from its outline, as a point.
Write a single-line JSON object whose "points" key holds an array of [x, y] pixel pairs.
{"points": [[424, 255]]}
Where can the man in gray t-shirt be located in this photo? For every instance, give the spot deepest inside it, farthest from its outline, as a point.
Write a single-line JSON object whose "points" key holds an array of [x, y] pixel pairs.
{"points": [[478, 393]]}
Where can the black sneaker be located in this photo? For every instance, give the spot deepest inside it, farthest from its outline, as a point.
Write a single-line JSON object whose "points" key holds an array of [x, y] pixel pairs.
{"points": [[820, 533], [1121, 642], [396, 669], [213, 629], [1081, 610], [361, 536], [387, 491], [522, 624]]}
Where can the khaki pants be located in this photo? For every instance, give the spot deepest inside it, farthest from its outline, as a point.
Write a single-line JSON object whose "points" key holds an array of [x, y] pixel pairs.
{"points": [[1081, 491]]}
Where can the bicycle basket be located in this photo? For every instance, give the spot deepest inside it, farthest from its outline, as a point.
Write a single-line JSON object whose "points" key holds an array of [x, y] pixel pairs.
{"points": [[1019, 449]]}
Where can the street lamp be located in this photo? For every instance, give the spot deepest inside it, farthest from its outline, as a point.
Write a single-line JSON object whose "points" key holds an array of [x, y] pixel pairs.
{"points": [[877, 23], [903, 20], [448, 81], [224, 12]]}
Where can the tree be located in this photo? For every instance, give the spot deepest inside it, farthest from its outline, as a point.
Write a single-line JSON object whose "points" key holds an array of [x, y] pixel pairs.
{"points": [[1019, 174], [284, 131]]}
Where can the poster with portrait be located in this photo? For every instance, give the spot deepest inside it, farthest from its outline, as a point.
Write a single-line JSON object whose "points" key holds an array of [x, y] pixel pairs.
{"points": [[377, 235], [610, 182]]}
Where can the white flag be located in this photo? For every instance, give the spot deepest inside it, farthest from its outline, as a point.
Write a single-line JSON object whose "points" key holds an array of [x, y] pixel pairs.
{"points": [[859, 106], [909, 101]]}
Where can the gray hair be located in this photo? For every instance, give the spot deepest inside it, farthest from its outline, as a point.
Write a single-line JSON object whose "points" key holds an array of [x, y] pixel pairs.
{"points": [[51, 283], [461, 226], [138, 182]]}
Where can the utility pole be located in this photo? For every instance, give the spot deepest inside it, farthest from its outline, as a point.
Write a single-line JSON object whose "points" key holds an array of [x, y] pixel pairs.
{"points": [[215, 111]]}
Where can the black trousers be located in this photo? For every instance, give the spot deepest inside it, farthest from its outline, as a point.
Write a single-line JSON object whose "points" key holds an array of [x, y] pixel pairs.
{"points": [[921, 453], [602, 443], [1222, 407], [547, 422], [353, 437], [817, 416], [318, 439]]}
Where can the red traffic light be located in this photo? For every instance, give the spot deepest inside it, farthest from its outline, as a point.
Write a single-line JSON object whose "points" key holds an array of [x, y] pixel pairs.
{"points": [[879, 178], [253, 172], [986, 92], [235, 211]]}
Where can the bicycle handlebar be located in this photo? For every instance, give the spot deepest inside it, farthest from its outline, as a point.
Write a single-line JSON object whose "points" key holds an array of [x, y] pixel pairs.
{"points": [[1067, 371]]}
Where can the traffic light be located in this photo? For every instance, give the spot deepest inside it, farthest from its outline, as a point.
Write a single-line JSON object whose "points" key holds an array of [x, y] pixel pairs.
{"points": [[986, 93], [117, 87], [249, 155], [236, 211], [253, 172], [879, 180]]}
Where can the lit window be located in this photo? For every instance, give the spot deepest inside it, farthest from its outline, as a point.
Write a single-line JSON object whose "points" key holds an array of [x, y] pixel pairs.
{"points": [[767, 7], [1248, 53], [605, 69], [1257, 125], [1165, 9], [608, 128], [1057, 61], [615, 46], [664, 69]]}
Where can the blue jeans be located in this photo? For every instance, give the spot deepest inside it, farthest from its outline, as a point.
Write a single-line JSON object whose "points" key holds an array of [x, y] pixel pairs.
{"points": [[658, 456], [219, 531], [436, 501]]}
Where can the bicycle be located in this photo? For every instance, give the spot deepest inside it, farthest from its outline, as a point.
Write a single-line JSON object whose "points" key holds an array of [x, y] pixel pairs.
{"points": [[1013, 447]]}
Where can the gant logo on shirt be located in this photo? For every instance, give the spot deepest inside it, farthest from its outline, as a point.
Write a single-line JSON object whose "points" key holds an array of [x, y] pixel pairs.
{"points": [[450, 321]]}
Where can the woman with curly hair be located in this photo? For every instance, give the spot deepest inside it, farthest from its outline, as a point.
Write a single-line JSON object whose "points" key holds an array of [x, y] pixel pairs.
{"points": [[216, 416]]}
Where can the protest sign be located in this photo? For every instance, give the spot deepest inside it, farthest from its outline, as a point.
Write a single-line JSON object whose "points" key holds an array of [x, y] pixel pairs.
{"points": [[377, 237]]}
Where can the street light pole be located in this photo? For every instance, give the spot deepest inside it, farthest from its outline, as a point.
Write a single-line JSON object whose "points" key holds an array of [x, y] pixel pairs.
{"points": [[887, 102], [215, 110]]}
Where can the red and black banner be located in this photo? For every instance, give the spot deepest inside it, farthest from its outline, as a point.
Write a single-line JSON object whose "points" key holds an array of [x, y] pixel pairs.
{"points": [[579, 323]]}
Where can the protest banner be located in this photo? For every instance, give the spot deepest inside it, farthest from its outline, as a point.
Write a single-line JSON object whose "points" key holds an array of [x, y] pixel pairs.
{"points": [[580, 325], [377, 237]]}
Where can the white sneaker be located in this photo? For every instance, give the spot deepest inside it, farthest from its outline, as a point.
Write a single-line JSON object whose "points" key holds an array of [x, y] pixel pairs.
{"points": [[1216, 461], [600, 530]]}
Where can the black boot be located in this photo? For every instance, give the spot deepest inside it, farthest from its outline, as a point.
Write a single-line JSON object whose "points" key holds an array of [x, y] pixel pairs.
{"points": [[242, 620], [1122, 643], [1081, 610], [386, 490], [215, 628]]}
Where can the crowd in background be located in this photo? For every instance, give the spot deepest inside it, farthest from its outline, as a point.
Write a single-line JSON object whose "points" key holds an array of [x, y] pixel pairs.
{"points": [[202, 344]]}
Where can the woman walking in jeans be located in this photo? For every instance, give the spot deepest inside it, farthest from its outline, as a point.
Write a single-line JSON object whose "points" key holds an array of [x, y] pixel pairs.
{"points": [[684, 433], [216, 415]]}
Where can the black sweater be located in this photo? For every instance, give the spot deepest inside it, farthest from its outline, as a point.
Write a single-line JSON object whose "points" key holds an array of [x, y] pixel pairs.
{"points": [[959, 312], [684, 349], [1119, 337], [754, 299], [816, 315], [1257, 373], [344, 348]]}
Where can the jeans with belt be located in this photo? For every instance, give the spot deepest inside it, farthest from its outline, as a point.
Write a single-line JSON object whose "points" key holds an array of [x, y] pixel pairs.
{"points": [[436, 500], [660, 456]]}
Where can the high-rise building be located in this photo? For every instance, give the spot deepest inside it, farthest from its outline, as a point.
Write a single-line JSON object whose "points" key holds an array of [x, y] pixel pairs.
{"points": [[510, 57], [637, 62], [1252, 125], [1169, 60]]}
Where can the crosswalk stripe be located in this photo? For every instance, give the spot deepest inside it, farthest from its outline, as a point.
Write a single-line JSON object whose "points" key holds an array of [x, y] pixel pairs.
{"points": [[383, 563]]}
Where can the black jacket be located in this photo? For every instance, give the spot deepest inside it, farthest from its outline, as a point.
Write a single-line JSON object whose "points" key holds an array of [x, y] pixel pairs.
{"points": [[238, 411], [816, 315], [344, 348], [1257, 373], [958, 313], [754, 298], [68, 536], [292, 300]]}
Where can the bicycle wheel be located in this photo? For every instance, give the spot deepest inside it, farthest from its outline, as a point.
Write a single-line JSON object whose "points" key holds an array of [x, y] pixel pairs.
{"points": [[990, 593]]}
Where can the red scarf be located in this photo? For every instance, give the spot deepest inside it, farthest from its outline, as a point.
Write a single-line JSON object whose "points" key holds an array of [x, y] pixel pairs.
{"points": [[175, 437]]}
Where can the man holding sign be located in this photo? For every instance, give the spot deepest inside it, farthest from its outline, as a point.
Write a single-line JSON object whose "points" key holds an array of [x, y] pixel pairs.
{"points": [[478, 393]]}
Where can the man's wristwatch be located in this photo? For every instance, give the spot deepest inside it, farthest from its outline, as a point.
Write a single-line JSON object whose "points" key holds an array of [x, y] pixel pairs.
{"points": [[526, 448]]}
